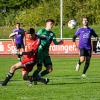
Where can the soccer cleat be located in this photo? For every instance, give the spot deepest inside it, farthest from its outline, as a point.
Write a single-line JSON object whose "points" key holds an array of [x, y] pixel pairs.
{"points": [[46, 80], [83, 76], [32, 80], [30, 83], [77, 67], [3, 84], [35, 82], [43, 80]]}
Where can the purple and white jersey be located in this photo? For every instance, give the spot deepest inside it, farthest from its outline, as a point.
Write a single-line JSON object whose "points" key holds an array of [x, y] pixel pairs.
{"points": [[85, 35], [19, 37]]}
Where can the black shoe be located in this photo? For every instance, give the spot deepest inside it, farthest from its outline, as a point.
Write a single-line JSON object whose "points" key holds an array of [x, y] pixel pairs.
{"points": [[46, 81], [35, 82], [3, 84], [32, 80]]}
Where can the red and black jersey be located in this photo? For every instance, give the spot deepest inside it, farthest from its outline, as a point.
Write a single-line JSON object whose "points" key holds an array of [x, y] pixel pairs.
{"points": [[31, 45]]}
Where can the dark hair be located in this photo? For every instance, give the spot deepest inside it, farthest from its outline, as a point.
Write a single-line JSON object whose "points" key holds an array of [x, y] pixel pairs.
{"points": [[50, 20], [31, 31], [18, 23], [85, 17]]}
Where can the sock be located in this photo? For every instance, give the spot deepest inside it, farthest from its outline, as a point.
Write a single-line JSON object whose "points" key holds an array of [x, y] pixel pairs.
{"points": [[19, 57], [86, 67], [43, 73], [35, 74], [79, 62], [8, 77]]}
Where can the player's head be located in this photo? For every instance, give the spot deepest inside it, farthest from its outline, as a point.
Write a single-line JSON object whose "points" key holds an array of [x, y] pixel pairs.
{"points": [[85, 21], [17, 25], [31, 33], [49, 24]]}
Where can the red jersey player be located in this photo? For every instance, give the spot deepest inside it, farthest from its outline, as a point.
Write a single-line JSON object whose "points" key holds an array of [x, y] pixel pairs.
{"points": [[29, 57], [29, 43]]}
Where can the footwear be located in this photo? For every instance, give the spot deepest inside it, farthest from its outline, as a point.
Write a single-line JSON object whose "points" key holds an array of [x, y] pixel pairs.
{"points": [[31, 80], [83, 76], [43, 80], [2, 84], [35, 82], [77, 67], [30, 83], [46, 80]]}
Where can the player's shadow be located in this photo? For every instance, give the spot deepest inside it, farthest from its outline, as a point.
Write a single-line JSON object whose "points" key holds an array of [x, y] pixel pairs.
{"points": [[65, 83], [12, 81], [16, 80]]}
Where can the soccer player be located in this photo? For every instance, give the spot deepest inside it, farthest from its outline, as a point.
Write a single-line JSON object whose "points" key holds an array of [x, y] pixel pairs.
{"points": [[85, 33], [46, 37], [18, 39], [29, 59]]}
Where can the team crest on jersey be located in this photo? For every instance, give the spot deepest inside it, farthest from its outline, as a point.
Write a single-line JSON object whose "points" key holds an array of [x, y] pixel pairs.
{"points": [[51, 34]]}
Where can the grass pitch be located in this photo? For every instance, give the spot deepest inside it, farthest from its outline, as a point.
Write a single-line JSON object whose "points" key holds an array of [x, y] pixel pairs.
{"points": [[65, 83]]}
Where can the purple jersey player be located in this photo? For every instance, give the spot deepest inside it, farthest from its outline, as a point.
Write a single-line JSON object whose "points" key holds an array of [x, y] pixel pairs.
{"points": [[18, 36], [85, 33]]}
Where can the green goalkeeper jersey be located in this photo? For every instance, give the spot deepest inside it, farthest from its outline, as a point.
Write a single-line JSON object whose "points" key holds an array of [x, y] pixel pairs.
{"points": [[50, 36]]}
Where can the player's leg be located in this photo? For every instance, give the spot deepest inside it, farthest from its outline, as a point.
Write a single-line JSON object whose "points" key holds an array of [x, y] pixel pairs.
{"points": [[40, 57], [11, 72], [87, 62], [22, 47], [24, 74], [81, 59], [48, 65], [26, 69], [49, 68], [18, 47], [36, 72]]}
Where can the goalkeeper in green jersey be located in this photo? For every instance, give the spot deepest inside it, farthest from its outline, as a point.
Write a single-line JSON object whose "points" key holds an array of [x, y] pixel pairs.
{"points": [[46, 37]]}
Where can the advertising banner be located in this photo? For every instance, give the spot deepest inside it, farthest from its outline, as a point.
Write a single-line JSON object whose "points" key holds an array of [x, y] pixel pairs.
{"points": [[8, 47]]}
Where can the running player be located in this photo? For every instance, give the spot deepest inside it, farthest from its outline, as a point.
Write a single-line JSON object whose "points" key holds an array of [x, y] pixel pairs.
{"points": [[85, 33], [46, 37], [29, 59], [18, 39]]}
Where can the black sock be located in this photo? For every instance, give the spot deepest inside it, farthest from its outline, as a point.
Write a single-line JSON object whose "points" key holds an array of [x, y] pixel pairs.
{"points": [[43, 73], [19, 57], [79, 62], [8, 77], [35, 74], [86, 67]]}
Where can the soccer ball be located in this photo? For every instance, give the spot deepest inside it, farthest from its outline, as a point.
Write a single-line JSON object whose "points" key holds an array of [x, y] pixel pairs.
{"points": [[72, 24]]}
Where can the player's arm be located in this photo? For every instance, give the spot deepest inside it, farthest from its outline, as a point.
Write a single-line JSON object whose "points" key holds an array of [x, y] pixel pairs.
{"points": [[36, 45], [74, 40], [24, 38], [13, 34], [26, 53], [57, 42], [77, 33], [40, 35], [95, 35]]}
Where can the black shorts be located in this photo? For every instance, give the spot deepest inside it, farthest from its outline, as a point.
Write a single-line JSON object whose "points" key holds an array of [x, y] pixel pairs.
{"points": [[47, 61], [19, 46], [85, 52]]}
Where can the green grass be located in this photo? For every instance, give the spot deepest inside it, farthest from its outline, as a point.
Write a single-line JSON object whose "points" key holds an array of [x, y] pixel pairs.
{"points": [[65, 83]]}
